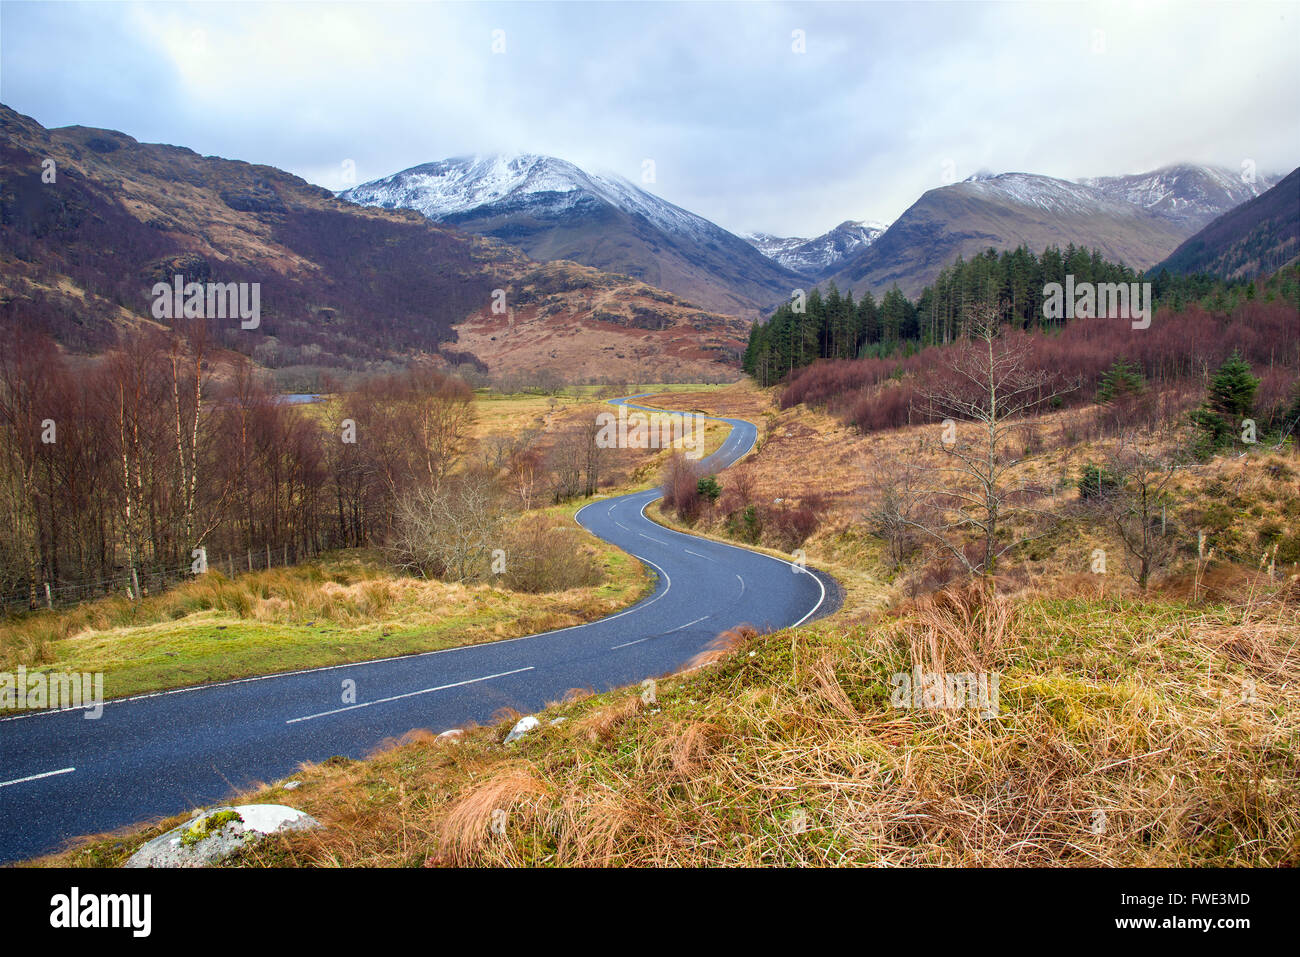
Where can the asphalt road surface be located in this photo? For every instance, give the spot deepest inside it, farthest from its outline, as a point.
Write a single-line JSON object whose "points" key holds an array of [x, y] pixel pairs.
{"points": [[160, 754]]}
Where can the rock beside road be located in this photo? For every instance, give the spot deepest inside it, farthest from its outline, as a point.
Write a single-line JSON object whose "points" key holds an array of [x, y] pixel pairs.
{"points": [[214, 835], [521, 728]]}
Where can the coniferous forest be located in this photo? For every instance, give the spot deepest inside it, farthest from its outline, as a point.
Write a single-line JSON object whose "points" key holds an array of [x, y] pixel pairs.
{"points": [[835, 326]]}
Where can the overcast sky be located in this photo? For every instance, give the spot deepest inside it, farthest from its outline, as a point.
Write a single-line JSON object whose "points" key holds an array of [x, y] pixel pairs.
{"points": [[886, 100]]}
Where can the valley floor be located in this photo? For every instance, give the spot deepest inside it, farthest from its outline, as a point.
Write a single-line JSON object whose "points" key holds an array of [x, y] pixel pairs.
{"points": [[1127, 733], [1104, 726]]}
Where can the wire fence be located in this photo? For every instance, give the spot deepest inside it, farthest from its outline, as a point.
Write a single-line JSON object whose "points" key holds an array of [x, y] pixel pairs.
{"points": [[144, 582]]}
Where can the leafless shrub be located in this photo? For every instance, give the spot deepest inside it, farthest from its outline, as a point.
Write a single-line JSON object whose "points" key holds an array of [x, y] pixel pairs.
{"points": [[545, 553], [1134, 502], [894, 510], [680, 483], [449, 530], [991, 384]]}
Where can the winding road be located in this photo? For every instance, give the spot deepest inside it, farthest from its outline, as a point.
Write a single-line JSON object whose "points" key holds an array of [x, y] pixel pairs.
{"points": [[159, 754]]}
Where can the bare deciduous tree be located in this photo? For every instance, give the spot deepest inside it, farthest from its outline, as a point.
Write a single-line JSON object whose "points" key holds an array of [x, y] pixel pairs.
{"points": [[977, 490], [449, 530], [1135, 504], [895, 512]]}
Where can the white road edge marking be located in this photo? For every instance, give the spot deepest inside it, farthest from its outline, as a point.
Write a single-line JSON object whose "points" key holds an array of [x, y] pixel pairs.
{"points": [[795, 568], [441, 651], [409, 694], [36, 777], [819, 600]]}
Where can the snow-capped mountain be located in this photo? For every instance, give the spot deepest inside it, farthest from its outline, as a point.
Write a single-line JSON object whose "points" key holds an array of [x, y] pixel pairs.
{"points": [[1044, 193], [1259, 236], [553, 209], [447, 189], [821, 255], [1003, 211], [1195, 194]]}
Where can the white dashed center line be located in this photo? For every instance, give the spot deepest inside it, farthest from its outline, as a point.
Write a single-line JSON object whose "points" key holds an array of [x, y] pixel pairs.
{"points": [[36, 777], [669, 632], [409, 694]]}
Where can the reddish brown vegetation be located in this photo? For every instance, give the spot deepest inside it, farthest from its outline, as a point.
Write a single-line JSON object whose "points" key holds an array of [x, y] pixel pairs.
{"points": [[127, 463], [681, 488], [1174, 354]]}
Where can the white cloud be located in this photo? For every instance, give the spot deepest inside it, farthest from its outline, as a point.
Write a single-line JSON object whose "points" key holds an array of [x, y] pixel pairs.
{"points": [[741, 128]]}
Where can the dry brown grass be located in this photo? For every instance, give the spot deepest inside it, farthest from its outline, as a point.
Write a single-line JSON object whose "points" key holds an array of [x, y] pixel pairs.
{"points": [[1131, 730], [722, 646], [1248, 506], [484, 811], [961, 629], [1128, 733]]}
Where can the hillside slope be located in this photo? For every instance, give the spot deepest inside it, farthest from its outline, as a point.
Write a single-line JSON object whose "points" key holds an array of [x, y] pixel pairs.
{"points": [[340, 284], [1257, 237], [1003, 212], [551, 209]]}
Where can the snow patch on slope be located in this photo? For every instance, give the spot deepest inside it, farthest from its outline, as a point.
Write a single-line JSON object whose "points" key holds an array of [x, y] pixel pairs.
{"points": [[816, 255], [447, 188], [1183, 189], [1042, 192]]}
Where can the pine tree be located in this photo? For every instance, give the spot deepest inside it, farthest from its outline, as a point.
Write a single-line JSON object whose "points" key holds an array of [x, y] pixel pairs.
{"points": [[1122, 378], [1232, 390], [1230, 398]]}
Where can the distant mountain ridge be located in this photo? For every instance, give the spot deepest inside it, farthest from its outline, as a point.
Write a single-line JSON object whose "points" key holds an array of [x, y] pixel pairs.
{"points": [[552, 209], [340, 284], [819, 256], [1137, 220], [1261, 235], [1195, 194]]}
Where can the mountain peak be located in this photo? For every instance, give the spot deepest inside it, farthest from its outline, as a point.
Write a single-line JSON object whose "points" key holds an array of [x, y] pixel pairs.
{"points": [[553, 209], [823, 254], [461, 183], [1184, 191], [1032, 189]]}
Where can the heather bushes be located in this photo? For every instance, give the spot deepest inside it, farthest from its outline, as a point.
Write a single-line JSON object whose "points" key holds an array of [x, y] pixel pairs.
{"points": [[789, 525], [681, 488], [693, 496], [1171, 356]]}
